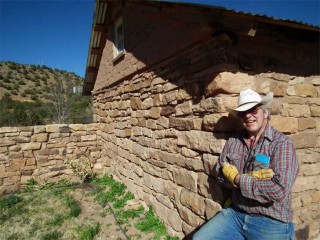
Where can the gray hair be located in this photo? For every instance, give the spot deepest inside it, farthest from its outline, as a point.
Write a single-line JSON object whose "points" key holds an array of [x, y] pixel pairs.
{"points": [[266, 109]]}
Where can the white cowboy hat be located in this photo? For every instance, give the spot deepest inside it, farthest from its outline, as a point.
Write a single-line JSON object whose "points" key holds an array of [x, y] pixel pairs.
{"points": [[249, 98]]}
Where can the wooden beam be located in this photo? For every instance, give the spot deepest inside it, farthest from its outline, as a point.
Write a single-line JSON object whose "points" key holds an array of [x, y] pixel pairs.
{"points": [[99, 28]]}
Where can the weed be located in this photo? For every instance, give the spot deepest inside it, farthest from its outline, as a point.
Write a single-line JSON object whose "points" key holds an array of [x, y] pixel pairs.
{"points": [[81, 167], [88, 233], [57, 220], [13, 237], [54, 235], [104, 180], [9, 201], [31, 182], [10, 207], [74, 206], [131, 213], [171, 238], [121, 202], [151, 223]]}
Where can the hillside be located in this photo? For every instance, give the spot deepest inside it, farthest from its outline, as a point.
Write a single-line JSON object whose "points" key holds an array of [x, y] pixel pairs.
{"points": [[34, 94], [31, 82]]}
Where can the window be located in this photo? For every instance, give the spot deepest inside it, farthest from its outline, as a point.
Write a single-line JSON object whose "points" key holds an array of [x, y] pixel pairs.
{"points": [[119, 38]]}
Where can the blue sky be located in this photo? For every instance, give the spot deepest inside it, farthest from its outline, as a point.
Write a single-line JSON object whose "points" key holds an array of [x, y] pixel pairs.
{"points": [[56, 33]]}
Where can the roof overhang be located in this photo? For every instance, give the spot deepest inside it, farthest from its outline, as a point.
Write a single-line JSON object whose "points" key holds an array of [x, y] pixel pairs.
{"points": [[97, 41]]}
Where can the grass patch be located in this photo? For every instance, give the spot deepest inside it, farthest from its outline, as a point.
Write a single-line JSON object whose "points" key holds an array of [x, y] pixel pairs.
{"points": [[151, 223], [89, 232], [50, 211]]}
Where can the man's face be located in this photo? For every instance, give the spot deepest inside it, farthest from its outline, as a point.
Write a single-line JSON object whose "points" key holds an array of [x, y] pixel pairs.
{"points": [[252, 119]]}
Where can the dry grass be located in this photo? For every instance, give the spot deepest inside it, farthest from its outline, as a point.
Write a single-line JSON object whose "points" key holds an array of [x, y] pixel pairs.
{"points": [[61, 210]]}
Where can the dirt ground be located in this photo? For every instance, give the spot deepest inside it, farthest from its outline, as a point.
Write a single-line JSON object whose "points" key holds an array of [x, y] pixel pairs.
{"points": [[109, 228]]}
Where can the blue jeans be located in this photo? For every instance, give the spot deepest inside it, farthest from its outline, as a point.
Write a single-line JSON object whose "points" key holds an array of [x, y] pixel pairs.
{"points": [[231, 224]]}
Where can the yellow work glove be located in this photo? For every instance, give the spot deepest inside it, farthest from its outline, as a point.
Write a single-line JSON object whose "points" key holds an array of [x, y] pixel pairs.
{"points": [[262, 173], [230, 172], [227, 203]]}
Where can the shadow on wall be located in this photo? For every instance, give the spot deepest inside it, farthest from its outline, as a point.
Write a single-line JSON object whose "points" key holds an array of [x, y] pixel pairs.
{"points": [[191, 59]]}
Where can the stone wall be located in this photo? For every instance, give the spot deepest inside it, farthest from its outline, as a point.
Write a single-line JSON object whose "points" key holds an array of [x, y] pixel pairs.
{"points": [[163, 131], [38, 152]]}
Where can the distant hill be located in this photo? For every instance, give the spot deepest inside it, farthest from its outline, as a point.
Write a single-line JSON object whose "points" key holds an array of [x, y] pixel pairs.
{"points": [[37, 94], [34, 82]]}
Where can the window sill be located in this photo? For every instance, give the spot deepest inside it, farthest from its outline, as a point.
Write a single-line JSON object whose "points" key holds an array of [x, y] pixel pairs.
{"points": [[119, 57]]}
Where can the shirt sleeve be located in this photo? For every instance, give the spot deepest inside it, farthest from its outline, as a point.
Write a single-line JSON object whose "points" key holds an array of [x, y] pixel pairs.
{"points": [[285, 166]]}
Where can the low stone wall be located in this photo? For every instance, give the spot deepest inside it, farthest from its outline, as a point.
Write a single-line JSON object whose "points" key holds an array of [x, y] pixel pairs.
{"points": [[38, 152], [162, 139]]}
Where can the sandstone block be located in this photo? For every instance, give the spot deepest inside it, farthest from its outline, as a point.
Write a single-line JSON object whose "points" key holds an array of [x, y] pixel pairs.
{"points": [[315, 111], [306, 183], [183, 124], [169, 86], [306, 90], [212, 208], [158, 80], [6, 142], [21, 139], [193, 202], [15, 155], [316, 196], [8, 129], [278, 88], [209, 162], [284, 124], [189, 153], [167, 110], [163, 122], [308, 156], [2, 169], [40, 137], [279, 76], [295, 110], [304, 139], [158, 99], [307, 123], [25, 179], [31, 146], [92, 137], [152, 124], [170, 97], [53, 128], [190, 217], [11, 134], [315, 80], [201, 141], [155, 112], [184, 108], [26, 134], [175, 221], [217, 104], [14, 148], [135, 103], [221, 123], [147, 103], [185, 178], [221, 83], [39, 129], [310, 169]]}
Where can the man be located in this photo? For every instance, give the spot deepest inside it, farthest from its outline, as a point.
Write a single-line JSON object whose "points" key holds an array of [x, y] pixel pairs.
{"points": [[260, 165]]}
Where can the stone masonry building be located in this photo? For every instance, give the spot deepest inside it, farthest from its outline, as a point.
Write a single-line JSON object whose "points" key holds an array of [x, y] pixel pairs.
{"points": [[161, 76]]}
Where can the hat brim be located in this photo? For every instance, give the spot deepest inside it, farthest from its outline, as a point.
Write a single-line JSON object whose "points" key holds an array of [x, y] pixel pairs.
{"points": [[246, 106], [266, 100]]}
